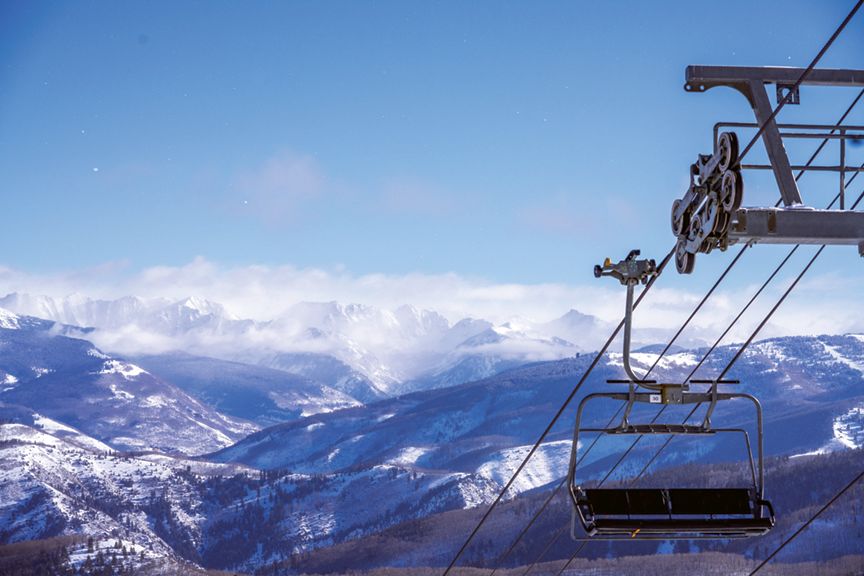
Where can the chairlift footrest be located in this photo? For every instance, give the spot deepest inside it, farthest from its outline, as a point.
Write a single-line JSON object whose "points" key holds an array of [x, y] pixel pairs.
{"points": [[660, 429]]}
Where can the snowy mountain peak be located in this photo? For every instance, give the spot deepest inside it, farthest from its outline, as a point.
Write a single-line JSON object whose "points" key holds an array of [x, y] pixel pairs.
{"points": [[34, 305], [203, 307], [8, 320], [334, 315], [418, 321], [194, 303], [574, 316], [79, 310], [514, 327]]}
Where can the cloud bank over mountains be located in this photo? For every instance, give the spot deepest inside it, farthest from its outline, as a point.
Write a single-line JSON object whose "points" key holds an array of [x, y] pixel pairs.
{"points": [[264, 293], [387, 350]]}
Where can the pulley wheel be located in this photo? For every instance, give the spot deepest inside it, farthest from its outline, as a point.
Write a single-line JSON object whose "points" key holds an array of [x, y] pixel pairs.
{"points": [[728, 150], [678, 225], [684, 261], [721, 229], [711, 220], [696, 227], [731, 190]]}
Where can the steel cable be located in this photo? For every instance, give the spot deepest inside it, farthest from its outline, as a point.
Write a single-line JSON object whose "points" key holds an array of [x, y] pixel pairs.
{"points": [[728, 328], [750, 339], [808, 522], [750, 302], [801, 79], [549, 499], [666, 349], [660, 269], [752, 299], [730, 364], [546, 549], [558, 414]]}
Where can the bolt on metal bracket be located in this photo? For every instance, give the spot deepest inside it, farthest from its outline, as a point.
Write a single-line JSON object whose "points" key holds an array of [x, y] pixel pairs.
{"points": [[788, 92]]}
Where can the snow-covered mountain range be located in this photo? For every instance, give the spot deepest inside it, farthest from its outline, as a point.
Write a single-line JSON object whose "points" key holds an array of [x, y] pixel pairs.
{"points": [[330, 478], [93, 442], [110, 399], [365, 352]]}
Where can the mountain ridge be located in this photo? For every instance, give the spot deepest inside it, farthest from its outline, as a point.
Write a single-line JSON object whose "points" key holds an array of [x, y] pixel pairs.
{"points": [[390, 352]]}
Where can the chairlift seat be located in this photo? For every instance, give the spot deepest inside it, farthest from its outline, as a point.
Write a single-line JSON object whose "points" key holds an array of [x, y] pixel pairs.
{"points": [[673, 512]]}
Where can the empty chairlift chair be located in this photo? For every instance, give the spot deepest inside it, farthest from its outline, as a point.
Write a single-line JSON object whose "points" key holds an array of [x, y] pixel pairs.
{"points": [[666, 512], [670, 512]]}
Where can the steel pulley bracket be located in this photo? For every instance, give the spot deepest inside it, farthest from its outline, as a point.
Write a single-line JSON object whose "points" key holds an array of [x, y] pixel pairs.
{"points": [[710, 216], [701, 219]]}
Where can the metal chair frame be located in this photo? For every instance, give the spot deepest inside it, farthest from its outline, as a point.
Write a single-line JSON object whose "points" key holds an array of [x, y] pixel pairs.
{"points": [[672, 526]]}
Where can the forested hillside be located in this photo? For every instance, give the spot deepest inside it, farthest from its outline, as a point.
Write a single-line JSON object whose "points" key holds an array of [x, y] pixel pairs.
{"points": [[797, 487]]}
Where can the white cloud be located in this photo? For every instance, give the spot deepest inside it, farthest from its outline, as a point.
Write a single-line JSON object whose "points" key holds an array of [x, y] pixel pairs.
{"points": [[264, 292], [132, 339], [280, 188]]}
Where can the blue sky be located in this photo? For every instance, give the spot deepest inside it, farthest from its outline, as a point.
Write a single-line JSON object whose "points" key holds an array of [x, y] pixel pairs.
{"points": [[519, 143]]}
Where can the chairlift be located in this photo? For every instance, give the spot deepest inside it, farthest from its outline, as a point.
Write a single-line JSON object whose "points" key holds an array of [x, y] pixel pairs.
{"points": [[665, 513]]}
